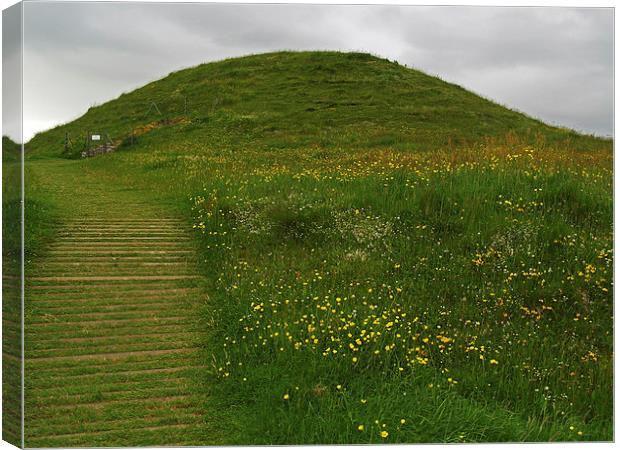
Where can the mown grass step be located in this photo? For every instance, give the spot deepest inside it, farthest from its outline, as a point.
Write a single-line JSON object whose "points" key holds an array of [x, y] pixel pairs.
{"points": [[85, 418], [55, 326], [117, 248], [138, 401], [163, 239], [84, 381], [126, 329], [121, 230], [73, 260], [107, 392], [101, 290], [88, 306], [65, 392], [114, 261], [165, 435], [93, 283], [108, 297], [110, 352], [157, 418], [82, 317], [115, 278], [110, 341], [119, 263], [129, 223], [121, 245], [121, 271], [59, 369], [119, 253], [111, 266], [114, 356]]}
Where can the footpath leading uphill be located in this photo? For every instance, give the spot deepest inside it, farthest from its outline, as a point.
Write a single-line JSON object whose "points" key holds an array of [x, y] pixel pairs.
{"points": [[113, 333]]}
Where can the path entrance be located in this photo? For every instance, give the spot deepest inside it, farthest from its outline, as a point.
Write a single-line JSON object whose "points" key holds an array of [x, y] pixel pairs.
{"points": [[113, 328]]}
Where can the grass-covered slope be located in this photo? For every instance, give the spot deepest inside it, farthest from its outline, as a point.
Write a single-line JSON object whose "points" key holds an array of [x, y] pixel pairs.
{"points": [[291, 100], [388, 257], [10, 150]]}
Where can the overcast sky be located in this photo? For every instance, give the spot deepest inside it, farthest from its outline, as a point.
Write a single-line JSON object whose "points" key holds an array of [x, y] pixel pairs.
{"points": [[552, 63]]}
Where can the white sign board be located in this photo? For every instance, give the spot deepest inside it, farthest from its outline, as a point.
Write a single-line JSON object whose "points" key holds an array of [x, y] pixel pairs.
{"points": [[96, 137]]}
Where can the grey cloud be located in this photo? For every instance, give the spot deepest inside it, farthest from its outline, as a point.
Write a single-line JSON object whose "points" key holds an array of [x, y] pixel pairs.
{"points": [[553, 63]]}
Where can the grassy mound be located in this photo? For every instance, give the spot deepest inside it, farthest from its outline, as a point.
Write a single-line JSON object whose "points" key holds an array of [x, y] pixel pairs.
{"points": [[390, 258], [290, 100]]}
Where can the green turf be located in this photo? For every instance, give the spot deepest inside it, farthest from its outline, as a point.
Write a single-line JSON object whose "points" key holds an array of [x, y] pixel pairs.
{"points": [[11, 293], [383, 257], [292, 101]]}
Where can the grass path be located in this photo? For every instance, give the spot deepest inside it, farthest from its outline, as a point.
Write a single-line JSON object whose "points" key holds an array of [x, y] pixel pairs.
{"points": [[113, 332]]}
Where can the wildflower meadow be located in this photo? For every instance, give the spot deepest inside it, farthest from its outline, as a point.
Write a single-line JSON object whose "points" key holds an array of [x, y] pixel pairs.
{"points": [[324, 248]]}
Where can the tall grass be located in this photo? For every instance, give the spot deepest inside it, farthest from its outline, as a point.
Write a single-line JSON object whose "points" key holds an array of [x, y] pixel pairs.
{"points": [[483, 284]]}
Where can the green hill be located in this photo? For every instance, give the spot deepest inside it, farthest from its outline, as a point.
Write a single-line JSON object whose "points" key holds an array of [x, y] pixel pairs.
{"points": [[293, 100], [10, 150], [313, 248]]}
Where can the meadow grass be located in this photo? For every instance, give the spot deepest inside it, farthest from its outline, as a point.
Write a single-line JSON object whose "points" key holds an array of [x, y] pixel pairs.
{"points": [[468, 296], [376, 297], [405, 263]]}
